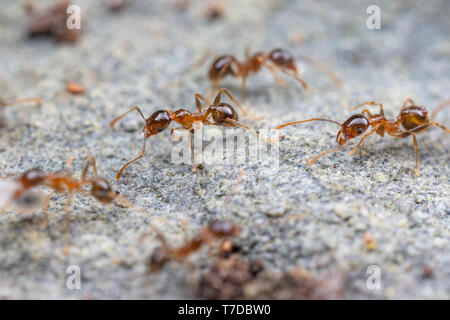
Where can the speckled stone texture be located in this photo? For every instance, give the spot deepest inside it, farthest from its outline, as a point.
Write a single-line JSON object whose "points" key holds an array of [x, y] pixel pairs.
{"points": [[308, 218]]}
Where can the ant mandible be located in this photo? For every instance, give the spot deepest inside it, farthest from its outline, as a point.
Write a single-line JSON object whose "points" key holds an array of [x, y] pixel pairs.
{"points": [[413, 118], [222, 114], [275, 60], [216, 229], [19, 193]]}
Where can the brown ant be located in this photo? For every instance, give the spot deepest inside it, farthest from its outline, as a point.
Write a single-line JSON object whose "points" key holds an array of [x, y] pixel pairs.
{"points": [[3, 104], [275, 60], [413, 118], [217, 229], [221, 114], [21, 193]]}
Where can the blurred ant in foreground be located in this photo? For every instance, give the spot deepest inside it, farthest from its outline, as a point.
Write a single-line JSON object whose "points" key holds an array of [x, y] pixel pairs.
{"points": [[217, 229], [413, 118], [22, 194], [221, 114], [274, 60], [3, 104]]}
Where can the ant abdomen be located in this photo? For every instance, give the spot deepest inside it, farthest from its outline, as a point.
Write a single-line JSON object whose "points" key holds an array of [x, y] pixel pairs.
{"points": [[413, 116], [283, 58], [157, 122], [223, 111], [221, 67]]}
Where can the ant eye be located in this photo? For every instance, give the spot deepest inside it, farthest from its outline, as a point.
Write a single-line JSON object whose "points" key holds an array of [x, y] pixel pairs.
{"points": [[160, 129], [360, 130]]}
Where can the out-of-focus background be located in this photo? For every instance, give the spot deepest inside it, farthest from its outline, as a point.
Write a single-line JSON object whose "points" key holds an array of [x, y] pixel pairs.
{"points": [[333, 220]]}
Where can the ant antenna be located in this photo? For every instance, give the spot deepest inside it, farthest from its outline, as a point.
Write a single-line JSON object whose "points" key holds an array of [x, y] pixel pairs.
{"points": [[337, 81], [309, 120]]}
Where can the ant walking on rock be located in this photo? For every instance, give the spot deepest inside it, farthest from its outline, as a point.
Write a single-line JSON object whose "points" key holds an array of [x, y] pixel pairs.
{"points": [[218, 114], [217, 229], [412, 118], [275, 60], [4, 104], [23, 194]]}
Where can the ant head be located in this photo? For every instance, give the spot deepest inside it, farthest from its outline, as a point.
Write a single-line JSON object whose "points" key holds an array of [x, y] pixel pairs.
{"points": [[223, 111], [102, 191], [32, 177], [353, 127], [156, 123], [413, 116], [283, 58], [223, 228], [221, 67]]}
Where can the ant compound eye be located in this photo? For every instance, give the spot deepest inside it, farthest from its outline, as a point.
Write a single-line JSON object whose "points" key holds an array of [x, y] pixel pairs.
{"points": [[360, 130]]}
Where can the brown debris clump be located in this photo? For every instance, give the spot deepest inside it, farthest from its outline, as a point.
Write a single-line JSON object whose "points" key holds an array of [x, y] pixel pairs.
{"points": [[51, 21], [75, 88], [227, 278], [237, 278], [296, 284], [215, 10], [118, 5]]}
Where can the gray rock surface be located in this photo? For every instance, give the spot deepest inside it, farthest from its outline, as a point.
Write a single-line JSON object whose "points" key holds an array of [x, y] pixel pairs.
{"points": [[311, 218]]}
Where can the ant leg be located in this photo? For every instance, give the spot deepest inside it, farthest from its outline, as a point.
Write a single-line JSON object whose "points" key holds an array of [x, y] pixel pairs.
{"points": [[296, 76], [196, 65], [408, 100], [442, 106], [219, 95], [416, 149], [89, 162], [320, 155], [247, 52], [244, 88], [191, 143], [273, 69], [45, 209], [364, 138], [119, 174], [67, 222], [37, 101], [237, 124], [69, 164], [199, 97], [111, 124], [370, 103], [337, 81], [426, 126]]}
